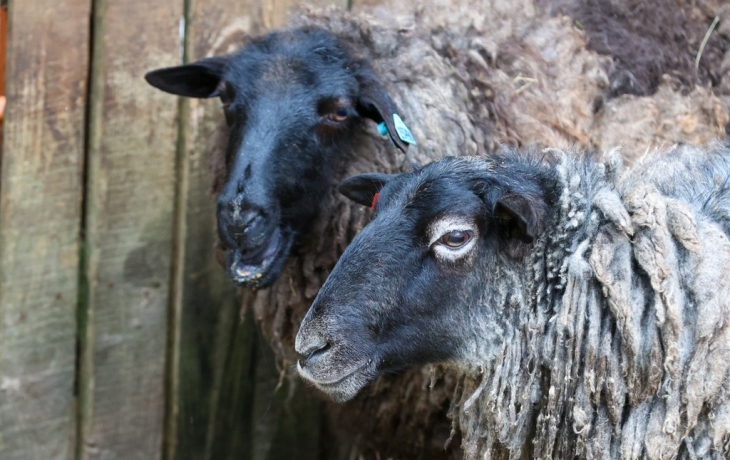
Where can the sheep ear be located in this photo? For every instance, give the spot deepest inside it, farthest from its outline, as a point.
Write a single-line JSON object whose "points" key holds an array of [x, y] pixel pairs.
{"points": [[201, 79], [518, 215], [364, 188], [375, 103]]}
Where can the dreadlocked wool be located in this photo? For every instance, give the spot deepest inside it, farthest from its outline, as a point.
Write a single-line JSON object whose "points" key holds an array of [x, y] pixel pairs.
{"points": [[623, 344], [523, 78]]}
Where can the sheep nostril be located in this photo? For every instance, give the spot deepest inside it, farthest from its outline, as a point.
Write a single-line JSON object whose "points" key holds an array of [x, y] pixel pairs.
{"points": [[314, 355]]}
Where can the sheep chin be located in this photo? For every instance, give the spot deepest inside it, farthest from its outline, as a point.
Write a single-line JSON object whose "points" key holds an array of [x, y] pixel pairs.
{"points": [[262, 272], [343, 388]]}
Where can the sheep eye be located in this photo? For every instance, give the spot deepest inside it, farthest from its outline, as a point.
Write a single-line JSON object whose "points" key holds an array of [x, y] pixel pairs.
{"points": [[339, 115], [456, 238]]}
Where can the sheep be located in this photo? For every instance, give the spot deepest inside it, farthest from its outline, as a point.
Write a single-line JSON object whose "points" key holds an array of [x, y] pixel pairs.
{"points": [[298, 126], [290, 99], [274, 177], [465, 76], [534, 81], [587, 310]]}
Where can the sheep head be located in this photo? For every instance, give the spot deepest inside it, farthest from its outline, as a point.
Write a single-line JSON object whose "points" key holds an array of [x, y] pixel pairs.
{"points": [[410, 288], [291, 100]]}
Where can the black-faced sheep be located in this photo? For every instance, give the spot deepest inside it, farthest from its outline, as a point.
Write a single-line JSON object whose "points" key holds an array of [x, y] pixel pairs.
{"points": [[294, 99], [588, 311], [287, 146], [290, 100], [531, 79]]}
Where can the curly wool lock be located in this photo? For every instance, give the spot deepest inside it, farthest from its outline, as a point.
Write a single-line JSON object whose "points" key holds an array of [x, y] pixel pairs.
{"points": [[624, 347]]}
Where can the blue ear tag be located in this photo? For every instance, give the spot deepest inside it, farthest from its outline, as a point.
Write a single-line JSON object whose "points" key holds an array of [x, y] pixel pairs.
{"points": [[403, 132], [401, 129]]}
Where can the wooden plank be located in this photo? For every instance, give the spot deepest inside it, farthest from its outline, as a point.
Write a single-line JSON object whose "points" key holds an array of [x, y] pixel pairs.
{"points": [[40, 215], [3, 45], [287, 418], [212, 374], [210, 353], [129, 227], [230, 434], [3, 60]]}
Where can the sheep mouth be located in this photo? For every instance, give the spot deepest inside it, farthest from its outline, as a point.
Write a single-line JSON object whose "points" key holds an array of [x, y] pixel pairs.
{"points": [[260, 266], [345, 386]]}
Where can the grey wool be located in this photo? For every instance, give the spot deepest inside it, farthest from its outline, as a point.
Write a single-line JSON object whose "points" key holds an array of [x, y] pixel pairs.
{"points": [[467, 76], [618, 346]]}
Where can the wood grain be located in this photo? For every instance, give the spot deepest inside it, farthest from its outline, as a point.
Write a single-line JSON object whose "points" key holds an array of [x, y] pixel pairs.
{"points": [[129, 226], [40, 215], [205, 319]]}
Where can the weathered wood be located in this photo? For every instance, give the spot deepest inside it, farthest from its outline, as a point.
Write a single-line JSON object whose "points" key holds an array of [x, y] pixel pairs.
{"points": [[3, 45], [129, 226], [212, 374], [230, 433], [3, 60], [40, 215], [287, 417], [207, 339]]}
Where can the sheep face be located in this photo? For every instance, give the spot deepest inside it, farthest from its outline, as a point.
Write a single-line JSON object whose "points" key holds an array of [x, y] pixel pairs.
{"points": [[290, 98], [403, 293]]}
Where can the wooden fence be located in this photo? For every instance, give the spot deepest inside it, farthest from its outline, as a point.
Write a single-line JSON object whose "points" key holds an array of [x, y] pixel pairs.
{"points": [[120, 336]]}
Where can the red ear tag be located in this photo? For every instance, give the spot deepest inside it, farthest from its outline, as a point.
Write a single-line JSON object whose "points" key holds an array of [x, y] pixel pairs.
{"points": [[375, 201]]}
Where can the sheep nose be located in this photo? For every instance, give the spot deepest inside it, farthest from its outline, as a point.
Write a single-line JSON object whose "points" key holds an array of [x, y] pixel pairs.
{"points": [[312, 341], [314, 353]]}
